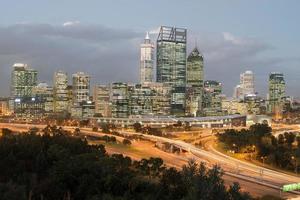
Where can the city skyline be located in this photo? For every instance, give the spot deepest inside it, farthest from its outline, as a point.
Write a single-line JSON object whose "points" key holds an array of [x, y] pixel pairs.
{"points": [[82, 43]]}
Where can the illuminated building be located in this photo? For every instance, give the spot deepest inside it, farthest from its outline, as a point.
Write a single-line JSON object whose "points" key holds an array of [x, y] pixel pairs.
{"points": [[81, 87], [44, 93], [120, 100], [147, 61], [212, 99], [23, 79], [140, 100], [195, 87], [60, 85], [171, 65], [102, 98], [276, 92]]}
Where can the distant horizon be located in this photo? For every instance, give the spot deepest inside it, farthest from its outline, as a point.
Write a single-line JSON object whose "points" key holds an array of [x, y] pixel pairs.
{"points": [[230, 36]]}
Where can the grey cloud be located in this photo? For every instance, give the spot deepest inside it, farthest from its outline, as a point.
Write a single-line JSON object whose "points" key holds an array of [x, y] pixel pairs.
{"points": [[226, 56], [111, 54], [107, 54]]}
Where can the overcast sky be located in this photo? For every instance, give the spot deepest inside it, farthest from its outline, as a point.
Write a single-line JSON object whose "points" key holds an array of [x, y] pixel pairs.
{"points": [[102, 38]]}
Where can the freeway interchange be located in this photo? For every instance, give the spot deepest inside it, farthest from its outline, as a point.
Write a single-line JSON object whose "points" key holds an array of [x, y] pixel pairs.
{"points": [[250, 174]]}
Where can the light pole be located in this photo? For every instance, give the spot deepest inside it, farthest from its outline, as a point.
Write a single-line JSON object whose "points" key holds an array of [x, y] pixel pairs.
{"points": [[296, 164], [263, 159], [252, 151]]}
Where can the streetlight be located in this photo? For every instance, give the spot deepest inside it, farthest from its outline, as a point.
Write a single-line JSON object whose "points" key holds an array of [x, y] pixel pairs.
{"points": [[296, 164], [263, 159]]}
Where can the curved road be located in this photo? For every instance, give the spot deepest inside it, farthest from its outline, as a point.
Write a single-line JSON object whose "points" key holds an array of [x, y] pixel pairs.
{"points": [[231, 166]]}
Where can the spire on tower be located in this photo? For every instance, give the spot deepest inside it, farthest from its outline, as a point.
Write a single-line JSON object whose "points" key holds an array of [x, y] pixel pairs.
{"points": [[147, 36]]}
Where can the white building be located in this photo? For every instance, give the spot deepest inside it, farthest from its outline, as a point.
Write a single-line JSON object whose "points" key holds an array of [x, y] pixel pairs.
{"points": [[147, 60], [247, 82], [60, 89], [81, 87], [246, 86], [102, 99]]}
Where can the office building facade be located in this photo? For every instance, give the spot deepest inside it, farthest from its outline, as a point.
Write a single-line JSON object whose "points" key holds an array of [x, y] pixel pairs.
{"points": [[276, 92], [147, 61], [60, 85], [195, 86], [81, 87], [171, 65]]}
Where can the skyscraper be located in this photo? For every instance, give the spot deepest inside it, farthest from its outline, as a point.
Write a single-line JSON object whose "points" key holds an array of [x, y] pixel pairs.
{"points": [[171, 64], [276, 92], [23, 79], [194, 79], [120, 100], [22, 102], [61, 101], [81, 87], [102, 98], [147, 60], [247, 83], [246, 86]]}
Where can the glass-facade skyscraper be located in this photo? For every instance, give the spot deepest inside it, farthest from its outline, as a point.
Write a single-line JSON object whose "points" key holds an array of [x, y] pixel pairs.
{"points": [[194, 78], [276, 92], [23, 79], [171, 64]]}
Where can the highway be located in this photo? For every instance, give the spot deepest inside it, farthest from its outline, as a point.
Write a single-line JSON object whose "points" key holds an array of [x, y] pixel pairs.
{"points": [[232, 167]]}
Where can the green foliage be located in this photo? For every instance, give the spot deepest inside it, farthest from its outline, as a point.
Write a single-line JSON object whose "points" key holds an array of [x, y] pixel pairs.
{"points": [[137, 127], [126, 142], [279, 151], [57, 166]]}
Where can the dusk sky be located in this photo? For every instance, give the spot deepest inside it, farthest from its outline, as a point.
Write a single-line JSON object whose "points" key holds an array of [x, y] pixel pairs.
{"points": [[102, 38]]}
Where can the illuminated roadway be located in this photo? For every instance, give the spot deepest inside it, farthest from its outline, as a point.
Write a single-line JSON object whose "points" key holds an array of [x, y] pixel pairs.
{"points": [[231, 166]]}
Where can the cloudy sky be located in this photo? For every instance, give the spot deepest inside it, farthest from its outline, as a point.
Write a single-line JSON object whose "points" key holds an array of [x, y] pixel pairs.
{"points": [[102, 38]]}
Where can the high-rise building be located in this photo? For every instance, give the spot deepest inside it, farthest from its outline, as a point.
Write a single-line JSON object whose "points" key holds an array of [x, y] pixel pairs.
{"points": [[44, 94], [102, 98], [247, 83], [4, 107], [147, 61], [23, 79], [81, 87], [61, 101], [22, 102], [246, 86], [276, 92], [140, 100], [161, 98], [194, 78], [171, 64], [212, 99], [120, 100]]}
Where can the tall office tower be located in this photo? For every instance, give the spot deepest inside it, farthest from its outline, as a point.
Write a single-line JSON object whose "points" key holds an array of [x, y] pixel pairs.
{"points": [[247, 83], [171, 65], [276, 92], [194, 78], [23, 79], [212, 99], [102, 99], [81, 88], [120, 100], [61, 101], [147, 61], [22, 102]]}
